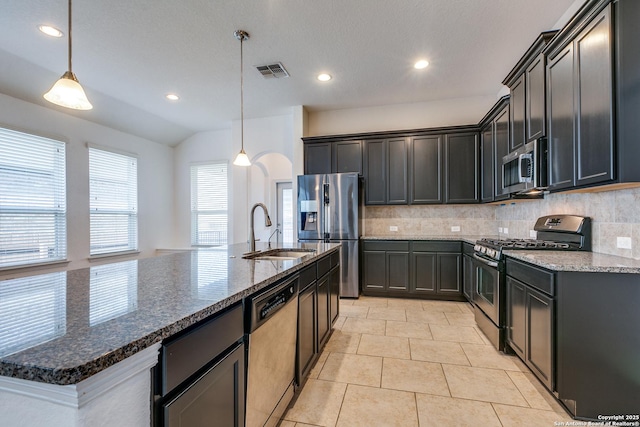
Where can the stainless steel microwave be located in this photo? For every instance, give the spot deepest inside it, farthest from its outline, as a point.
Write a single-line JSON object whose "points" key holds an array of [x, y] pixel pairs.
{"points": [[524, 171]]}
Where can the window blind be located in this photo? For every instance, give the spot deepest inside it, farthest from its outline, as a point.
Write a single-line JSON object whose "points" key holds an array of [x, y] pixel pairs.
{"points": [[113, 189], [209, 204], [32, 199]]}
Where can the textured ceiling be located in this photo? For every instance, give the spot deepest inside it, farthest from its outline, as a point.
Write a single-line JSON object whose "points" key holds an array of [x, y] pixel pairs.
{"points": [[129, 53]]}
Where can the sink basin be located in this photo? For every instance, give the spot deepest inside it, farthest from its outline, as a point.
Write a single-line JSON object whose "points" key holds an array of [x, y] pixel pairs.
{"points": [[279, 254]]}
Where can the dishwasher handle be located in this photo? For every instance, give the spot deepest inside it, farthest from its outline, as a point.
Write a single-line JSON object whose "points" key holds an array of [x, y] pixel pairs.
{"points": [[269, 302]]}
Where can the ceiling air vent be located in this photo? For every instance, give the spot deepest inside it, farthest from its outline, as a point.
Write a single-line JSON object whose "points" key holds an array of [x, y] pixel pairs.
{"points": [[273, 71]]}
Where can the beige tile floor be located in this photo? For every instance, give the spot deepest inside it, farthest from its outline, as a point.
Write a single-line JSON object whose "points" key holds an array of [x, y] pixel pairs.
{"points": [[397, 362]]}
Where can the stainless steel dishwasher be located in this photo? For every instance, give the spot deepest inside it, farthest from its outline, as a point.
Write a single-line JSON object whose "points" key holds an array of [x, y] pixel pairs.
{"points": [[272, 353]]}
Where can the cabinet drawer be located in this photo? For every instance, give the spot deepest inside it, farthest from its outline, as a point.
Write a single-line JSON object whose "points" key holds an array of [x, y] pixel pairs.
{"points": [[324, 265], [435, 246], [307, 276], [185, 355], [386, 245], [542, 280]]}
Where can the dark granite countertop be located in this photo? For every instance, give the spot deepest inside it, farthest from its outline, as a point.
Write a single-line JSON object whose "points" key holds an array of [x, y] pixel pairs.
{"points": [[462, 237], [61, 328], [588, 262]]}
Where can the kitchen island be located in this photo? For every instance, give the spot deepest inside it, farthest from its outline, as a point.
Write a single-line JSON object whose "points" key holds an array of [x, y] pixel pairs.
{"points": [[77, 346]]}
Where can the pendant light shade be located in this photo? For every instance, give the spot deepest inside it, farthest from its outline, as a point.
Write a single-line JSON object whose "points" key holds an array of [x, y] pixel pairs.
{"points": [[241, 159], [67, 91]]}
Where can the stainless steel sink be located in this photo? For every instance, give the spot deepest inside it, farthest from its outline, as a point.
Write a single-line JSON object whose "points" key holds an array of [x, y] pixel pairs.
{"points": [[279, 254]]}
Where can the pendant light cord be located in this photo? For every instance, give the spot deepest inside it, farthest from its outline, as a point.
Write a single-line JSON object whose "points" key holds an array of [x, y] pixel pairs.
{"points": [[69, 38], [241, 94]]}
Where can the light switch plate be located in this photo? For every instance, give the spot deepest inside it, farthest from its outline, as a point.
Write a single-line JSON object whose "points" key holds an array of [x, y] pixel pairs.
{"points": [[455, 228], [624, 242], [393, 228]]}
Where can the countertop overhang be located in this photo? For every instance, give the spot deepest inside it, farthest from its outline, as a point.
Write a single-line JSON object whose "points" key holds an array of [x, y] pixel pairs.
{"points": [[150, 300]]}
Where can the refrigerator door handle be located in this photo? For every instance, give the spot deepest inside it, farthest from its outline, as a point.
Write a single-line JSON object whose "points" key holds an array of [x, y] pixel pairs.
{"points": [[327, 212]]}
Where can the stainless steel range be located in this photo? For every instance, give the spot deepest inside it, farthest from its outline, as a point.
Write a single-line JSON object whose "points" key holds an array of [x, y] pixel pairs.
{"points": [[554, 232]]}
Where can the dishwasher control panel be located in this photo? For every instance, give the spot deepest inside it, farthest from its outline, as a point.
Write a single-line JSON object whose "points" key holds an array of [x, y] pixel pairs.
{"points": [[266, 304], [276, 301]]}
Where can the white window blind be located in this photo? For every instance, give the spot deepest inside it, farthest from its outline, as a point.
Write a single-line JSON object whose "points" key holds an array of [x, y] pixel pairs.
{"points": [[113, 189], [32, 199], [209, 204]]}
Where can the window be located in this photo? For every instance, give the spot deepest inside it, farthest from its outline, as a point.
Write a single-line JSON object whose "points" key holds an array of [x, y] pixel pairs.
{"points": [[113, 189], [209, 204], [32, 199]]}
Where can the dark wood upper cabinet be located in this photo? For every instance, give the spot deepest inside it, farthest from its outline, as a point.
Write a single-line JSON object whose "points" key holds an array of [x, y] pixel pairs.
{"points": [[518, 114], [426, 160], [375, 172], [501, 149], [535, 97], [487, 158], [397, 171], [333, 157], [317, 158], [347, 157], [526, 82], [462, 154]]}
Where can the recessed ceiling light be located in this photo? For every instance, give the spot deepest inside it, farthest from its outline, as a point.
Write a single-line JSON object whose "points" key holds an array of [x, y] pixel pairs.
{"points": [[50, 31], [421, 64], [324, 77], [172, 97]]}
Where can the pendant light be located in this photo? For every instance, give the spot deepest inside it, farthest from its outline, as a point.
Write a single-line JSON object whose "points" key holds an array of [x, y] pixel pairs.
{"points": [[67, 91], [241, 159]]}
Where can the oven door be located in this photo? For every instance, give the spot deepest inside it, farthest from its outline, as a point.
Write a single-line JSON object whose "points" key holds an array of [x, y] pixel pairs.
{"points": [[487, 289]]}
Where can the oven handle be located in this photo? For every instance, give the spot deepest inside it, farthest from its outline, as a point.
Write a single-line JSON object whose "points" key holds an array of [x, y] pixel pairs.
{"points": [[489, 263]]}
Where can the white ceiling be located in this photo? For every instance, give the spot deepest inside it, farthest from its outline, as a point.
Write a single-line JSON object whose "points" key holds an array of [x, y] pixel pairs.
{"points": [[129, 53]]}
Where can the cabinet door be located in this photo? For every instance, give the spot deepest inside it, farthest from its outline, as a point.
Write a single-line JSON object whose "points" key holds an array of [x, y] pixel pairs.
{"points": [[375, 160], [317, 158], [374, 270], [324, 320], [347, 156], [334, 294], [516, 316], [486, 160], [594, 148], [468, 277], [463, 162], [518, 113], [398, 271], [561, 112], [425, 272], [397, 172], [426, 169], [449, 273], [501, 149], [535, 93], [215, 399], [540, 336], [307, 342]]}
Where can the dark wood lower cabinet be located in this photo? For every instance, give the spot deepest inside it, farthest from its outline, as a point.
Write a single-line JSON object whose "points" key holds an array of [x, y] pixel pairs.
{"points": [[324, 320], [412, 269], [307, 342], [334, 294]]}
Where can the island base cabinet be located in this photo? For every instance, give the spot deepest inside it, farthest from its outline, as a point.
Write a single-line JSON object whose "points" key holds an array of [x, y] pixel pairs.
{"points": [[215, 399]]}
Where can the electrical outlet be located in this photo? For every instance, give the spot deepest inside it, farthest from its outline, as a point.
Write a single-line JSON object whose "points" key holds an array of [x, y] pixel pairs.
{"points": [[455, 228], [624, 242], [533, 234], [393, 228], [499, 229], [505, 230]]}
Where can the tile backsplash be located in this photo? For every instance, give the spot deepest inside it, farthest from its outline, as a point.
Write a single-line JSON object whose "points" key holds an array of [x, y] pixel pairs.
{"points": [[614, 214]]}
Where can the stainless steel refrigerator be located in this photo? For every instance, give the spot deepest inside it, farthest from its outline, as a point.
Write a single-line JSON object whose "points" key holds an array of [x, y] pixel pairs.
{"points": [[330, 210]]}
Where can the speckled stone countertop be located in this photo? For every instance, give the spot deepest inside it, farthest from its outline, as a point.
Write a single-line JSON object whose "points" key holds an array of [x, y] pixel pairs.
{"points": [[588, 262], [61, 328], [462, 238]]}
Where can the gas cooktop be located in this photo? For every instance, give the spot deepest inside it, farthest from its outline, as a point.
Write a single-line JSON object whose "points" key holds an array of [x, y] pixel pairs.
{"points": [[556, 232]]}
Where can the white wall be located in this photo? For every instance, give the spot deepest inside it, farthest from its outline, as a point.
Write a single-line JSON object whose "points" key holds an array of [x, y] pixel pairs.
{"points": [[261, 136], [450, 112], [155, 174]]}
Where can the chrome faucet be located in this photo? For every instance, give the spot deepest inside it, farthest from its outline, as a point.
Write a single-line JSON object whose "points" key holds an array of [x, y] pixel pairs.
{"points": [[274, 232], [267, 223]]}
